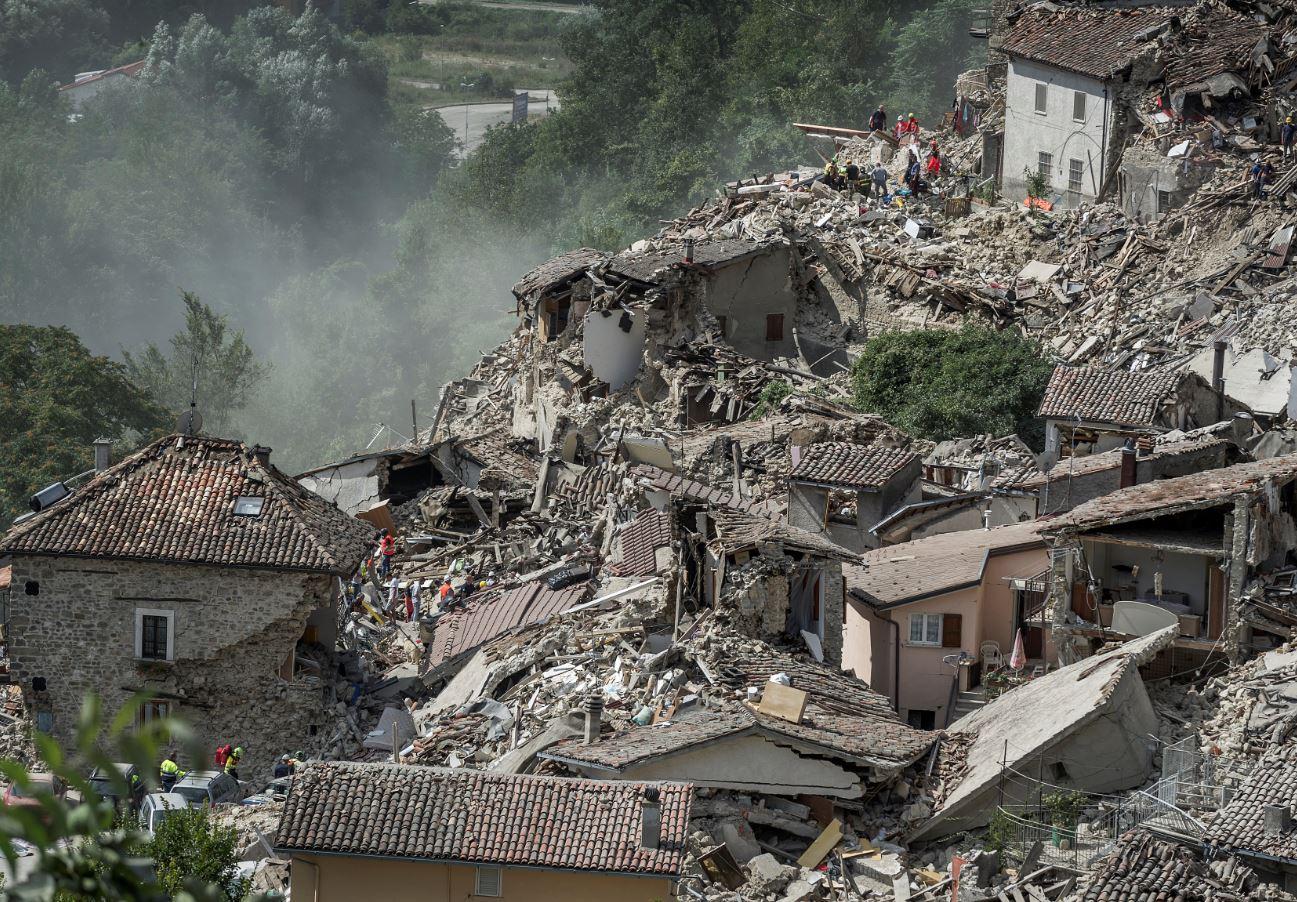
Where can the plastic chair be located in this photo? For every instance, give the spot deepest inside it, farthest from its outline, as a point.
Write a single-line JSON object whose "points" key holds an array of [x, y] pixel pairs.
{"points": [[992, 657]]}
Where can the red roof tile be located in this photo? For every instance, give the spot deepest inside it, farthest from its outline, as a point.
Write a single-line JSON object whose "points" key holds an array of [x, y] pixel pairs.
{"points": [[639, 542], [849, 464], [1094, 42], [1109, 396], [407, 811], [494, 613], [173, 502]]}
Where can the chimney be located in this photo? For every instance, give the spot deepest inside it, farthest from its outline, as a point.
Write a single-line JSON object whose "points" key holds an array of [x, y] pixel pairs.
{"points": [[651, 811], [1127, 464], [1144, 445], [1242, 428], [593, 717], [689, 250], [1278, 819], [986, 519], [1218, 365], [261, 454], [103, 454]]}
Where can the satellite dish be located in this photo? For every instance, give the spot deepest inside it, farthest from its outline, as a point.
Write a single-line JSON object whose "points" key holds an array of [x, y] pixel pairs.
{"points": [[190, 422]]}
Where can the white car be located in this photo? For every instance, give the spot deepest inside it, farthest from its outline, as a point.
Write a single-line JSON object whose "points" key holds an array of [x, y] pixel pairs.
{"points": [[157, 806]]}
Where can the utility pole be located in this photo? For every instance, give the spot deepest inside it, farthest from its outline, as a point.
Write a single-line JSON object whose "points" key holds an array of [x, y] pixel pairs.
{"points": [[466, 85]]}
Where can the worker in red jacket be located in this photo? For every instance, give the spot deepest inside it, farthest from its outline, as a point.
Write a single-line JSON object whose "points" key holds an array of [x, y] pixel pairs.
{"points": [[387, 551]]}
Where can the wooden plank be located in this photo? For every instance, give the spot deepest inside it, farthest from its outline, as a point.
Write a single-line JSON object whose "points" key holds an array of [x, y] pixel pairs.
{"points": [[1033, 856], [784, 702], [823, 844]]}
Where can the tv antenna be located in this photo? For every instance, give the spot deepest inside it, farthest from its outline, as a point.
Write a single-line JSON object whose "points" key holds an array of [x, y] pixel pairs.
{"points": [[191, 421]]}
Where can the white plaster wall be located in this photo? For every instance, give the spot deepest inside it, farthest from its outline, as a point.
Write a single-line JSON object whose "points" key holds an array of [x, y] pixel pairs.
{"points": [[613, 355], [745, 292], [1180, 572], [352, 487], [767, 767], [1027, 133]]}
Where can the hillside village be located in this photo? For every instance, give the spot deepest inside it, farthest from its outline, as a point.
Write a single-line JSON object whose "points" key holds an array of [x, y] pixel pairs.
{"points": [[649, 609]]}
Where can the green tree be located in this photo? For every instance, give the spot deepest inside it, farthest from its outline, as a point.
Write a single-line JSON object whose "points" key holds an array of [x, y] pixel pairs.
{"points": [[938, 384], [56, 398], [188, 847], [62, 36], [206, 354]]}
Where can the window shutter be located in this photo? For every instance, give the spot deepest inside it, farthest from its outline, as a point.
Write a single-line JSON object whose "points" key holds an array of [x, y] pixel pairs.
{"points": [[952, 626], [488, 881]]}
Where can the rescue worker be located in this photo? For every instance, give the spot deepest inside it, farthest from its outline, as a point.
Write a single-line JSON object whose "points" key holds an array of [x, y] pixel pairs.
{"points": [[284, 768], [912, 126], [900, 128], [831, 176], [853, 176], [934, 163], [1261, 174], [232, 762], [387, 549], [880, 183], [170, 771], [1286, 136], [878, 121]]}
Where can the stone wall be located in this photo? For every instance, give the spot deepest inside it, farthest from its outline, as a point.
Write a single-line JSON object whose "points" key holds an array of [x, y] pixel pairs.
{"points": [[234, 630]]}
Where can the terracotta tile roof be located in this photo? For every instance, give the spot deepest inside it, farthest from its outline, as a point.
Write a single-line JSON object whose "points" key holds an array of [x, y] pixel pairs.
{"points": [[684, 487], [737, 530], [1093, 42], [1109, 396], [494, 613], [553, 273], [936, 564], [173, 502], [1240, 825], [435, 814], [1220, 41], [1111, 460], [843, 713], [639, 542], [130, 69], [1209, 488], [851, 465], [1144, 867]]}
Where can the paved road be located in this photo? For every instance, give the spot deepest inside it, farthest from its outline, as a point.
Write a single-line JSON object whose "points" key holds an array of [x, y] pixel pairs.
{"points": [[481, 116]]}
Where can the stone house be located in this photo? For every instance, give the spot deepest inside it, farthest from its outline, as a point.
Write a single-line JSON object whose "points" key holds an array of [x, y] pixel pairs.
{"points": [[442, 835], [193, 570], [840, 490], [920, 615], [1089, 409]]}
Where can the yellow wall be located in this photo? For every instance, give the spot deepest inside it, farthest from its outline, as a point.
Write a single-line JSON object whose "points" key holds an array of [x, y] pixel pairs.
{"points": [[336, 878]]}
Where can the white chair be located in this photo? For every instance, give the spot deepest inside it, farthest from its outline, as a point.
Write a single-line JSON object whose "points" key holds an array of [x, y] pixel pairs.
{"points": [[992, 657]]}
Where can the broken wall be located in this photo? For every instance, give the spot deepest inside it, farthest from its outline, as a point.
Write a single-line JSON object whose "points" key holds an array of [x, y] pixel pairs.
{"points": [[1152, 184], [748, 294], [233, 630], [614, 345], [352, 487]]}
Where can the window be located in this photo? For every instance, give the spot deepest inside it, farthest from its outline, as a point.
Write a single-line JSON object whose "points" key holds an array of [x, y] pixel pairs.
{"points": [[1045, 164], [248, 505], [154, 635], [488, 881], [152, 710], [1042, 96], [775, 327], [921, 719], [31, 587], [1078, 106], [1163, 201], [1075, 171], [925, 629]]}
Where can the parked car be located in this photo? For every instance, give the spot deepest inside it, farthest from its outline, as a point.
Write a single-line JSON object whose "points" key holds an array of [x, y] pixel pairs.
{"points": [[102, 782], [42, 783], [208, 787], [157, 806]]}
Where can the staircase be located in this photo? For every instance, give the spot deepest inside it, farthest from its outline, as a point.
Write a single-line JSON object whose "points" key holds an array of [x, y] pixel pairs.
{"points": [[968, 702]]}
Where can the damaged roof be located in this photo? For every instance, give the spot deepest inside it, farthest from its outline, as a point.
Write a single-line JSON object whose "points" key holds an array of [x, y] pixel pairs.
{"points": [[843, 717], [1220, 41], [1240, 825], [1143, 866], [934, 565], [639, 541], [851, 465], [1209, 488], [174, 502], [693, 490], [708, 255], [437, 814], [493, 613], [1099, 395], [737, 530], [557, 272], [1094, 42], [1111, 460]]}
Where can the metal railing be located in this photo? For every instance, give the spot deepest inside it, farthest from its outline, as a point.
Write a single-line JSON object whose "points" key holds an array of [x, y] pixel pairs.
{"points": [[1020, 827]]}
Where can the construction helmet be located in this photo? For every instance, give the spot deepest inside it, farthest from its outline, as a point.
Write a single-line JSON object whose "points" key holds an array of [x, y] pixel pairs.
{"points": [[911, 115]]}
